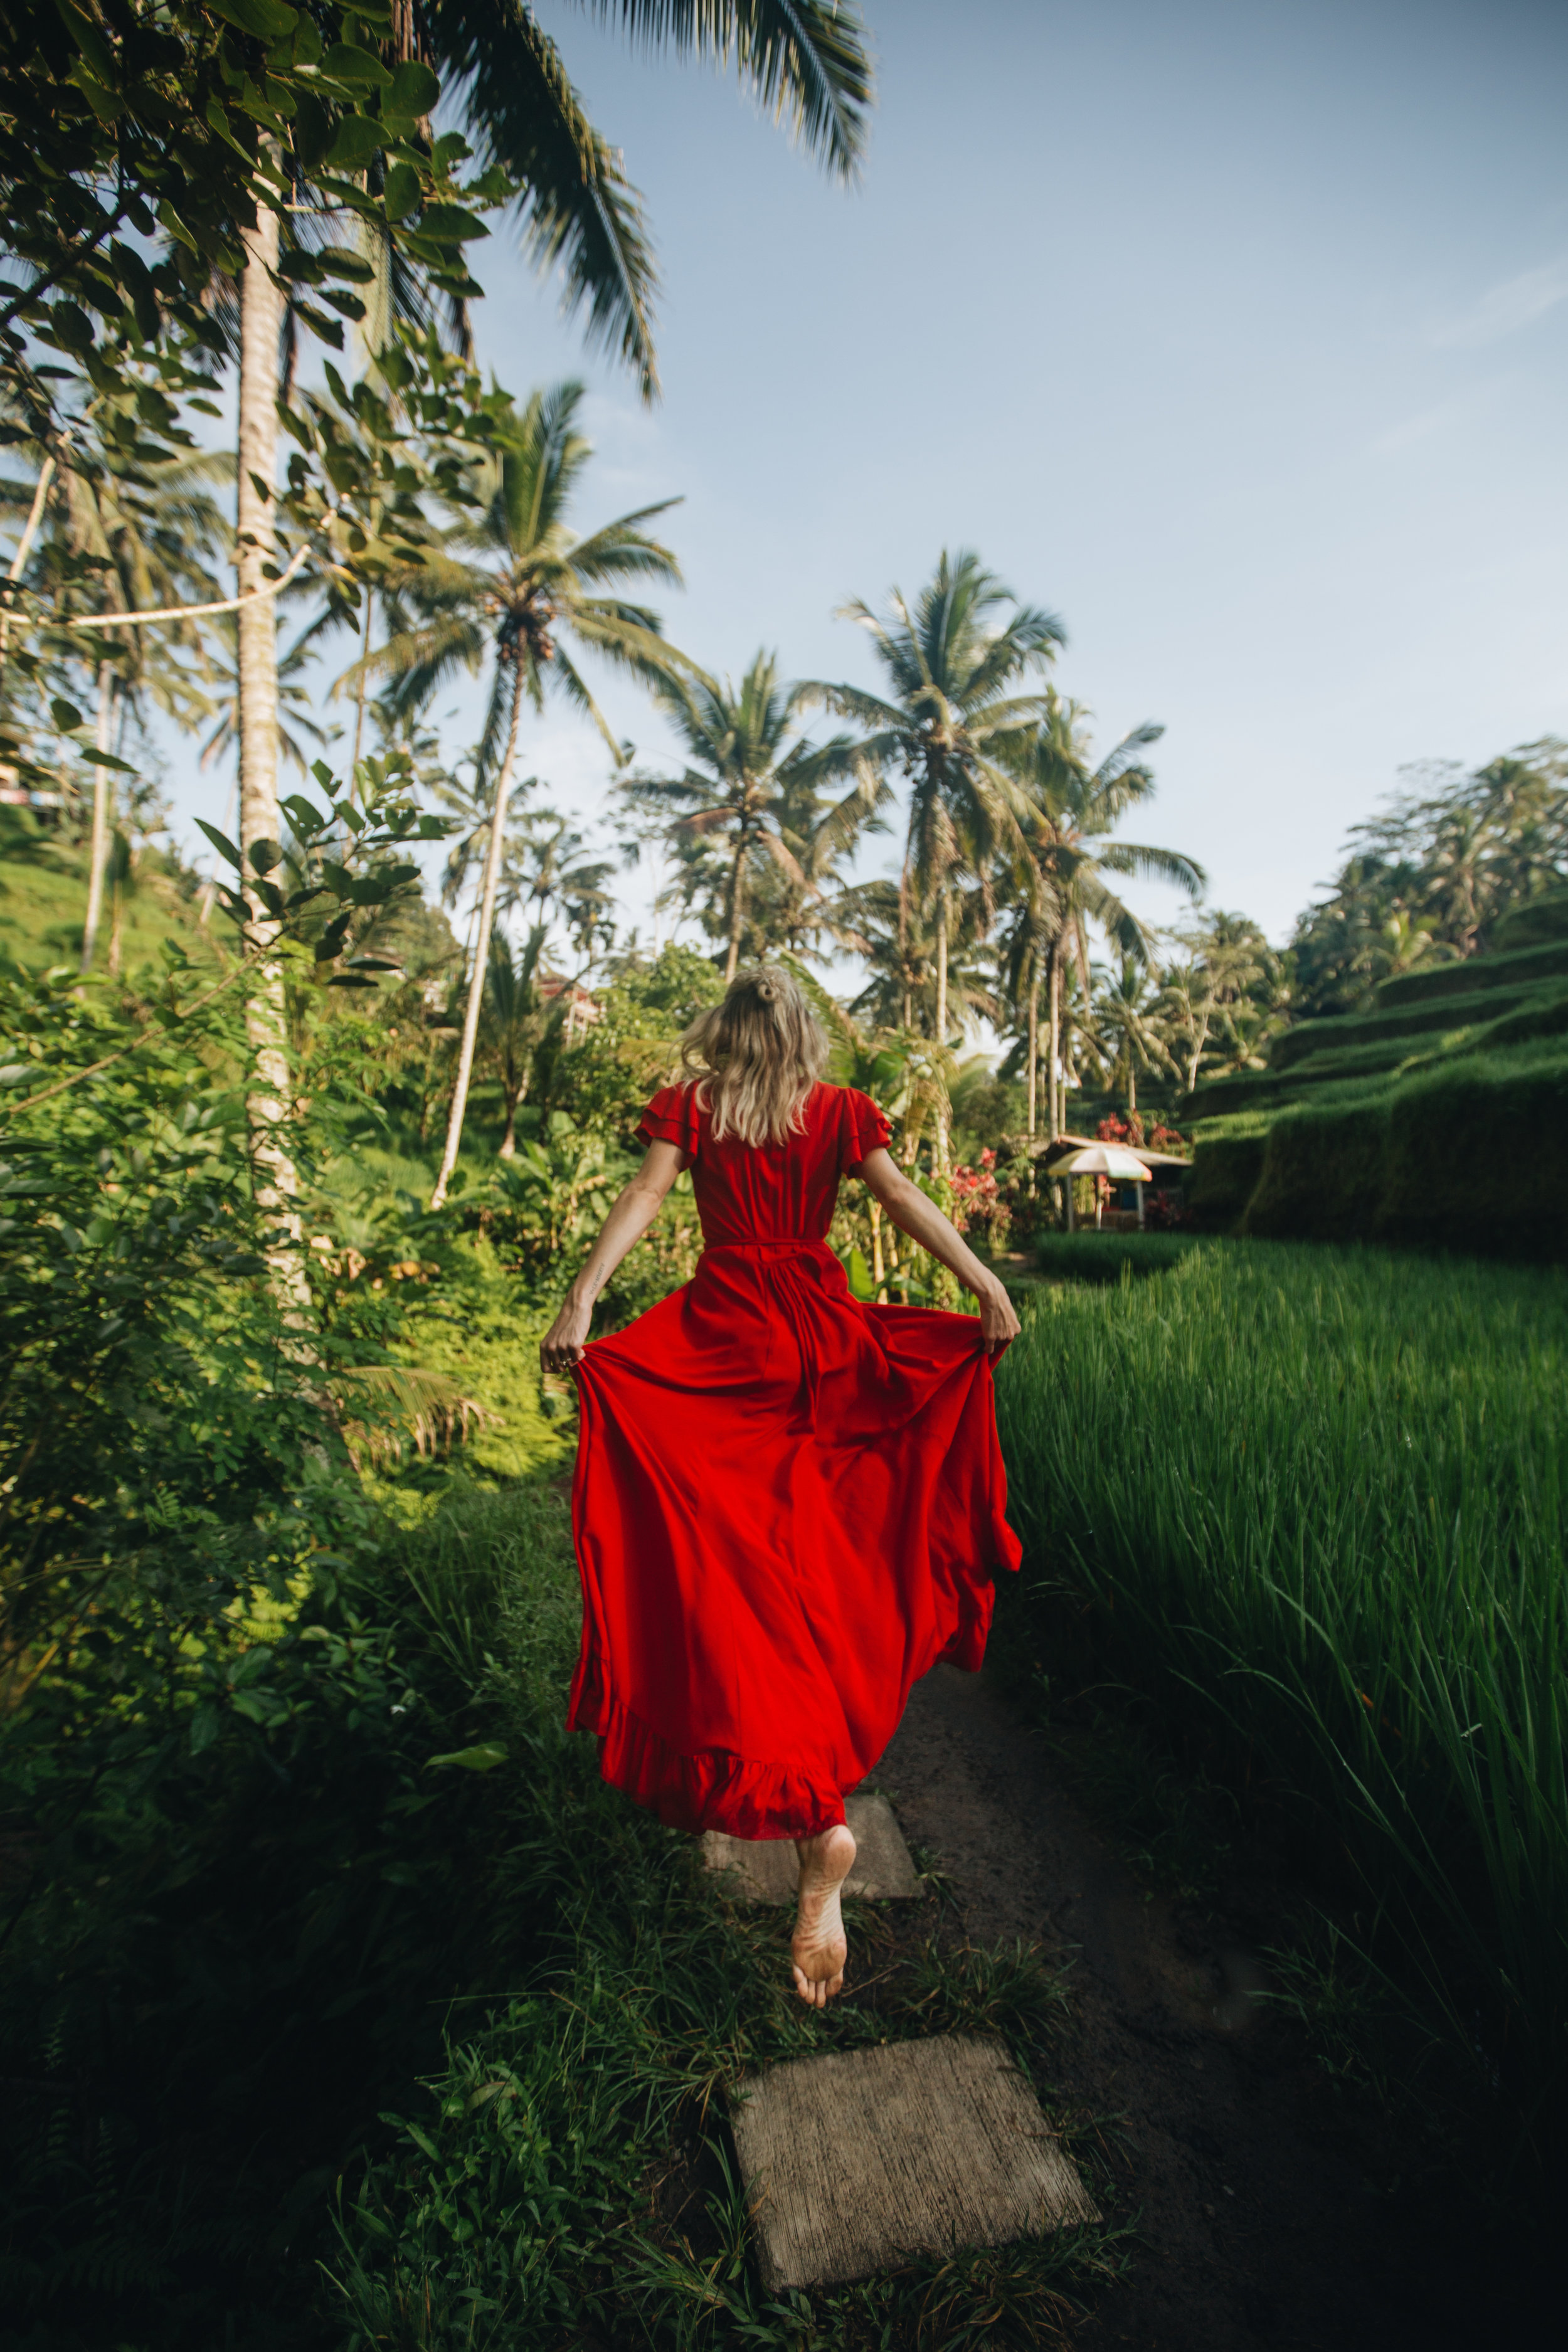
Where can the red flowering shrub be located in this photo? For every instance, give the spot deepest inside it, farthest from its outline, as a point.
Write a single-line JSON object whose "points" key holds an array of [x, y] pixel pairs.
{"points": [[977, 1201]]}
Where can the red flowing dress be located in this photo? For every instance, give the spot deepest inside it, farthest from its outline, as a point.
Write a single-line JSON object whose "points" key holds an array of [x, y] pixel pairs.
{"points": [[788, 1505]]}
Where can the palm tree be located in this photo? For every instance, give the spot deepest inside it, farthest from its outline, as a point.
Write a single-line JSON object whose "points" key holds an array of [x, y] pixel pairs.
{"points": [[748, 781], [1063, 883], [1229, 962], [126, 536], [897, 942], [515, 1021], [541, 869], [513, 577], [1127, 1011], [954, 725]]}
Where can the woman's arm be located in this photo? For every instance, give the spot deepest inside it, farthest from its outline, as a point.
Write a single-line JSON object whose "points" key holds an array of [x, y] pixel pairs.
{"points": [[924, 1222], [639, 1204]]}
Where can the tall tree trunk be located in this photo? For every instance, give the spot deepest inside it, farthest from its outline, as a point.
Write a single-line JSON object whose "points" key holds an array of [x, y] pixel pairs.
{"points": [[24, 549], [1131, 1083], [364, 656], [117, 916], [1033, 1037], [481, 951], [98, 853], [732, 915], [904, 943], [276, 1182], [1055, 1119], [941, 1101]]}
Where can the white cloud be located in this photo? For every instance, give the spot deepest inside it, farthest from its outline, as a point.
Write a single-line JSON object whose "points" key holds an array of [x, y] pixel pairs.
{"points": [[1504, 308]]}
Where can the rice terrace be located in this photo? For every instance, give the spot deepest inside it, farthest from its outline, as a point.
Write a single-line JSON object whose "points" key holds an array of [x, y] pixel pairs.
{"points": [[585, 884]]}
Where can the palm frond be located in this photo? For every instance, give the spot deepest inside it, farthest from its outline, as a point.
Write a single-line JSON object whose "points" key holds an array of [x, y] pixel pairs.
{"points": [[578, 211], [806, 60]]}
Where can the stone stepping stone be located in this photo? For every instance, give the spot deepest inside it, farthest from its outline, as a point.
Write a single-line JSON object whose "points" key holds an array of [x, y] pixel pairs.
{"points": [[856, 2161], [765, 1870]]}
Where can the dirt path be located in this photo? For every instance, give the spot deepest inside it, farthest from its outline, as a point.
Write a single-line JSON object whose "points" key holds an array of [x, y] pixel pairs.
{"points": [[1258, 2226]]}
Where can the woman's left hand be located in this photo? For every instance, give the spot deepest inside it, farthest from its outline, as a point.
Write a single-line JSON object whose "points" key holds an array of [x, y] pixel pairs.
{"points": [[562, 1346], [998, 1321]]}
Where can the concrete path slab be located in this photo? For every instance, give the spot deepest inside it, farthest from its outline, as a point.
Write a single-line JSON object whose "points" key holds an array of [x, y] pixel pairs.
{"points": [[765, 1870], [855, 2160]]}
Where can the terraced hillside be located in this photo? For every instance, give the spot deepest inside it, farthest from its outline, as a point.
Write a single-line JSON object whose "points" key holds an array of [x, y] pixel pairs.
{"points": [[1441, 1115], [42, 898]]}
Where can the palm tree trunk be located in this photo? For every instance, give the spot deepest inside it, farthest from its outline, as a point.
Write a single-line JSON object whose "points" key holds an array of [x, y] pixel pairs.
{"points": [[942, 1106], [481, 951], [24, 549], [1132, 1084], [363, 679], [117, 922], [1033, 1042], [733, 913], [98, 853], [508, 1136], [275, 1181], [1055, 1119]]}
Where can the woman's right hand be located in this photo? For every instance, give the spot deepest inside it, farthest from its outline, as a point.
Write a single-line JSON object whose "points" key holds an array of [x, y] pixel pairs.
{"points": [[562, 1346], [998, 1321]]}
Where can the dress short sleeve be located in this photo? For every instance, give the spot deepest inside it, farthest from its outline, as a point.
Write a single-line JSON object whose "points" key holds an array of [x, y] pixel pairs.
{"points": [[862, 1127], [672, 1116]]}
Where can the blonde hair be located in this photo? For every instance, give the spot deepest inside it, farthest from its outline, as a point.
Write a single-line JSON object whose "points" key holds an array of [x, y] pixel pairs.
{"points": [[755, 1058]]}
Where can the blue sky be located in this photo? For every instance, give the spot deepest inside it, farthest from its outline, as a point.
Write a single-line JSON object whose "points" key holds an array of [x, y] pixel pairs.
{"points": [[1234, 334]]}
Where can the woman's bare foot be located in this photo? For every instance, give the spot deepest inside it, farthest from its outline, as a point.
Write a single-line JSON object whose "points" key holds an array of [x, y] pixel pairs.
{"points": [[820, 1947]]}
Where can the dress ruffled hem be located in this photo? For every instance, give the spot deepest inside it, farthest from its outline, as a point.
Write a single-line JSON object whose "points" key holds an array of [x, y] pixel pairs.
{"points": [[717, 1789], [713, 1790]]}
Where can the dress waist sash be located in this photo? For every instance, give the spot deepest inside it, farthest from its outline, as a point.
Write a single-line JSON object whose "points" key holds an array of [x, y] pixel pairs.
{"points": [[799, 1242]]}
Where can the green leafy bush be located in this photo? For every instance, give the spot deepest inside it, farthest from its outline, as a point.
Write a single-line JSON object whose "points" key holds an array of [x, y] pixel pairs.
{"points": [[1469, 1155], [1225, 1173], [1536, 922]]}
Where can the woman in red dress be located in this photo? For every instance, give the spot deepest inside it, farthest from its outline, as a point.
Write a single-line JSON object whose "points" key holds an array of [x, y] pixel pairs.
{"points": [[788, 1505]]}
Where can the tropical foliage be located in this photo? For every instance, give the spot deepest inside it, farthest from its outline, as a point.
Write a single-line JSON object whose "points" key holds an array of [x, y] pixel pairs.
{"points": [[1428, 876]]}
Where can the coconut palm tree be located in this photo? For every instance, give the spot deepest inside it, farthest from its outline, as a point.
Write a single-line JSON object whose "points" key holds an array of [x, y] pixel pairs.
{"points": [[1128, 1015], [1228, 963], [751, 787], [1062, 881], [956, 726], [514, 582], [897, 942], [515, 1021], [122, 536], [543, 869]]}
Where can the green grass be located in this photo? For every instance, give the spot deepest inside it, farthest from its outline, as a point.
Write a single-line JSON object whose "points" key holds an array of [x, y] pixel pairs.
{"points": [[43, 901], [527, 2195], [1100, 1257], [1315, 1500], [376, 2049]]}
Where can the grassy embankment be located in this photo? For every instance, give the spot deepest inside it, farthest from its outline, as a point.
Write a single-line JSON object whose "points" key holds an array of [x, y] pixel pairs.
{"points": [[43, 900], [1439, 1116], [529, 1980], [1314, 1500]]}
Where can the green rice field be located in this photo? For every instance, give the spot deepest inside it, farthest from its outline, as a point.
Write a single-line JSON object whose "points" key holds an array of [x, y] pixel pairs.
{"points": [[1315, 1500]]}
